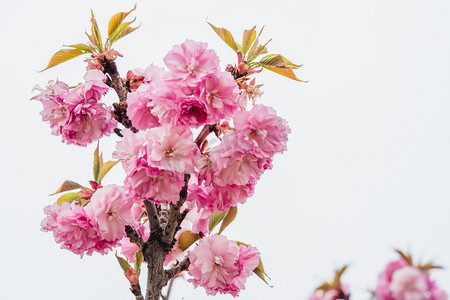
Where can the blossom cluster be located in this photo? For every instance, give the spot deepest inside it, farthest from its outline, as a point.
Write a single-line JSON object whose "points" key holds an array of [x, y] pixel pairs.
{"points": [[155, 161], [97, 226], [222, 266], [76, 114], [193, 91], [400, 280], [166, 106]]}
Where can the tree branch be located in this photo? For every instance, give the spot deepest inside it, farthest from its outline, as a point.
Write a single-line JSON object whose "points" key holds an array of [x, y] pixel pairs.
{"points": [[134, 236], [182, 266], [169, 289], [136, 290], [174, 214], [206, 130], [120, 109], [152, 214]]}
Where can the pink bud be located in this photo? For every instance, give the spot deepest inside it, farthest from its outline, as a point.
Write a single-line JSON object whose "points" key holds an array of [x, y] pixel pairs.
{"points": [[132, 277]]}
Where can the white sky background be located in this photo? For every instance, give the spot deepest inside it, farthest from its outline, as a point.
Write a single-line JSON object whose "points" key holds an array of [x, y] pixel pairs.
{"points": [[367, 167]]}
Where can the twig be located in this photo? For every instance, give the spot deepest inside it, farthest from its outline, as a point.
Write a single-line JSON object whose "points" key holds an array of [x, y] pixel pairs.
{"points": [[169, 289], [120, 109], [182, 266], [152, 214], [206, 130], [134, 236], [174, 214], [136, 291]]}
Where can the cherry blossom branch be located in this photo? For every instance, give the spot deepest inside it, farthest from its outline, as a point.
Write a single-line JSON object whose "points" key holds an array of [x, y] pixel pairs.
{"points": [[110, 68], [175, 217], [152, 214], [182, 266], [206, 130], [133, 235], [120, 109], [136, 290], [169, 289]]}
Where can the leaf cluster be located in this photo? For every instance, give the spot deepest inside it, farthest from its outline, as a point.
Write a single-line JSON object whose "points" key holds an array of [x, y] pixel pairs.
{"points": [[117, 29], [100, 170], [250, 49]]}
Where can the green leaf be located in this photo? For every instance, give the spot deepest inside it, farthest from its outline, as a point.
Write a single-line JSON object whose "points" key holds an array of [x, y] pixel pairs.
{"points": [[97, 164], [257, 50], [226, 36], [63, 56], [186, 239], [123, 30], [337, 277], [82, 47], [105, 169], [279, 64], [248, 38], [69, 197], [123, 263], [126, 32], [285, 72], [279, 61], [231, 215], [96, 33], [67, 185], [259, 271], [138, 262], [92, 39], [117, 19], [216, 218]]}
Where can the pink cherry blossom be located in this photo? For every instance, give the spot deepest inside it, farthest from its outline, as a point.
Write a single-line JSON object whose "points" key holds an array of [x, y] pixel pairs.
{"points": [[206, 173], [218, 198], [198, 197], [171, 148], [247, 261], [109, 210], [140, 105], [382, 289], [55, 111], [50, 222], [154, 184], [191, 61], [76, 114], [199, 218], [223, 197], [408, 283], [220, 265], [260, 131], [88, 121], [165, 103], [94, 87], [400, 281], [75, 232], [220, 94], [151, 74], [192, 112], [237, 169], [130, 148], [175, 256]]}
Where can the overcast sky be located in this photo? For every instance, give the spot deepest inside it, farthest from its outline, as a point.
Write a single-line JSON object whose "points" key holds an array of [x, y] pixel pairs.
{"points": [[367, 168]]}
